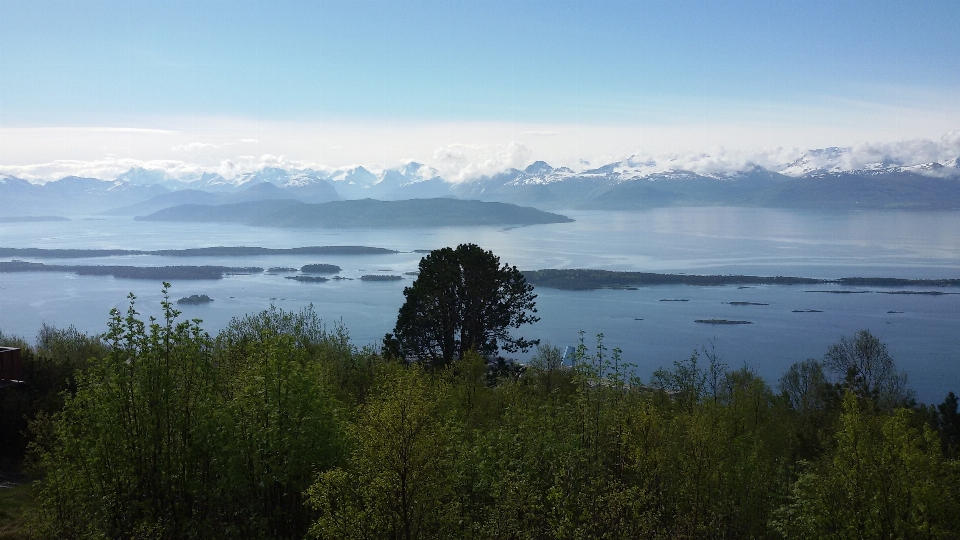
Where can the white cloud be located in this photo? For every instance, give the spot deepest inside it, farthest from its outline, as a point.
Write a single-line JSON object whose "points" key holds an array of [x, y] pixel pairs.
{"points": [[459, 162], [796, 160], [136, 130], [198, 145], [109, 168], [193, 147]]}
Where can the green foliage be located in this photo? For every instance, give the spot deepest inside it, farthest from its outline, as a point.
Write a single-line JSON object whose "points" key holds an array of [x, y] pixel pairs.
{"points": [[281, 425], [814, 404], [15, 502], [868, 371], [394, 485], [278, 428], [885, 479], [174, 435], [948, 424], [49, 371], [127, 456], [462, 300], [546, 374]]}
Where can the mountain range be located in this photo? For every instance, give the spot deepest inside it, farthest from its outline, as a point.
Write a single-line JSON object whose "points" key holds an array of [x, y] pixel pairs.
{"points": [[816, 180]]}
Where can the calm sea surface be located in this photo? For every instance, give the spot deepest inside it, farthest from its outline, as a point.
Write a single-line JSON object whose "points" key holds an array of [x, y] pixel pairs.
{"points": [[922, 332]]}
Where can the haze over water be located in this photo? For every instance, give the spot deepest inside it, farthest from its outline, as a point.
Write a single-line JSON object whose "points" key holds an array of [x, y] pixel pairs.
{"points": [[923, 339]]}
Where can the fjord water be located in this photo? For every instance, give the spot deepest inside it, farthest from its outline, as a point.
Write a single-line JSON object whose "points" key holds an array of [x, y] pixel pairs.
{"points": [[922, 331]]}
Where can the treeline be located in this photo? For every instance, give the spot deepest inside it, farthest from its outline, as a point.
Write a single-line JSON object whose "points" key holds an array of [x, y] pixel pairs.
{"points": [[279, 428]]}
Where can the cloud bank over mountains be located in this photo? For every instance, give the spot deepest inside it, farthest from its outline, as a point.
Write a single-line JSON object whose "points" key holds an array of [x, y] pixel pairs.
{"points": [[458, 163]]}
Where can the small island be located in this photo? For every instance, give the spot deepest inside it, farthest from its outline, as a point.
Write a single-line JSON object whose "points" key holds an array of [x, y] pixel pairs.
{"points": [[280, 270], [674, 300], [380, 277], [308, 279], [720, 321], [320, 269], [807, 311], [746, 303], [195, 299]]}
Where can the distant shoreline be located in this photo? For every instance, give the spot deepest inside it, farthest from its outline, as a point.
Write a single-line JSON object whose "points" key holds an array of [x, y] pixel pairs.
{"points": [[132, 272], [571, 280], [31, 219], [584, 279], [215, 251]]}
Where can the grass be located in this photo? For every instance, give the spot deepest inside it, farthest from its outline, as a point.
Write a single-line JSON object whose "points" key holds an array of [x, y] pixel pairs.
{"points": [[15, 500]]}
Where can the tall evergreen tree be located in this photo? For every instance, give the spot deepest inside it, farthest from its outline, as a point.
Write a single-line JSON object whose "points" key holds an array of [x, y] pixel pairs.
{"points": [[463, 300]]}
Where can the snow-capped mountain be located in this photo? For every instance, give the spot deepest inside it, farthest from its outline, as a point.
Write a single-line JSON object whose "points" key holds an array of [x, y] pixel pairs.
{"points": [[353, 183], [12, 184], [306, 185], [411, 181], [822, 178], [70, 195], [147, 177]]}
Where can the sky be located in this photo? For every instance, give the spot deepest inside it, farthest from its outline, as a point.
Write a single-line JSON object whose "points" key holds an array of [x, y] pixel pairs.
{"points": [[469, 87]]}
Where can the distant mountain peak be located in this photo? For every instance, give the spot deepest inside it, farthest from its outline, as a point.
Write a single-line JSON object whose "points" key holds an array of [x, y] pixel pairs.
{"points": [[538, 167], [209, 177], [411, 168], [606, 169]]}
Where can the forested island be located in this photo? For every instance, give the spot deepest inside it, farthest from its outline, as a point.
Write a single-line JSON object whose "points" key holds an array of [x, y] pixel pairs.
{"points": [[720, 321], [320, 268], [217, 251], [132, 272], [586, 279], [363, 213], [380, 277], [195, 300], [309, 279]]}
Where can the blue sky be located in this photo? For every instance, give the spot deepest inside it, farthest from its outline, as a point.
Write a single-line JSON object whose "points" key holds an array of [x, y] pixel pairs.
{"points": [[342, 82]]}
